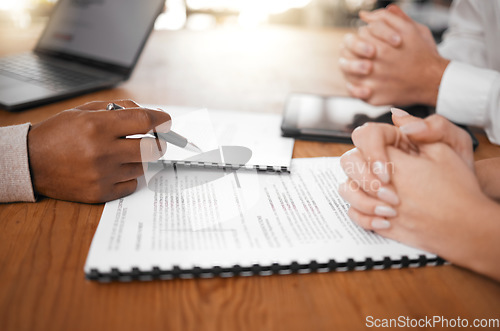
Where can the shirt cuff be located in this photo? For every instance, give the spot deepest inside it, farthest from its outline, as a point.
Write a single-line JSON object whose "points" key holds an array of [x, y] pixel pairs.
{"points": [[464, 93], [15, 178]]}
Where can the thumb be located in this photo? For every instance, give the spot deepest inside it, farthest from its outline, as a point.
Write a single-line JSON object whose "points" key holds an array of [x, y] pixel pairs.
{"points": [[433, 129], [401, 117], [398, 11]]}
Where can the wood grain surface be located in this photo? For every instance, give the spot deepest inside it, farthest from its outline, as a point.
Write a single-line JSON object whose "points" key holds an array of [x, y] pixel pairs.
{"points": [[43, 245]]}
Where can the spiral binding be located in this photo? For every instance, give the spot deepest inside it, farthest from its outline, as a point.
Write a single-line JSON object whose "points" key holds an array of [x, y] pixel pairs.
{"points": [[261, 270], [228, 166]]}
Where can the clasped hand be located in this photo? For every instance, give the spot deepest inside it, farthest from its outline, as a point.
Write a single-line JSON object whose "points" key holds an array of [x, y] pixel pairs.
{"points": [[392, 60], [415, 182]]}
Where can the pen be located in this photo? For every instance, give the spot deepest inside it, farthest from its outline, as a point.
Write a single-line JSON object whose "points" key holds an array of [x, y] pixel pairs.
{"points": [[170, 137]]}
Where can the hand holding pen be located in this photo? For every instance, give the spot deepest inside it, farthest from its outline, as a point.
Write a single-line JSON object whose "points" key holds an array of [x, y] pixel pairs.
{"points": [[170, 136], [82, 154]]}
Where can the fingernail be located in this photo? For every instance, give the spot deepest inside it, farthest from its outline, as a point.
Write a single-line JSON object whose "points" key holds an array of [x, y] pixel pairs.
{"points": [[385, 211], [367, 49], [388, 196], [398, 112], [362, 67], [395, 39], [349, 86], [380, 170], [413, 127], [380, 224]]}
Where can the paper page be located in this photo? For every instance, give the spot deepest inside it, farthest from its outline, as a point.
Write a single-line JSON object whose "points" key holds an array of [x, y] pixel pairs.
{"points": [[191, 217], [230, 138]]}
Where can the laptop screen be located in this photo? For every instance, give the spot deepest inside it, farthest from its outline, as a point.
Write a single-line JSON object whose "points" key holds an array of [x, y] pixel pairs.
{"points": [[111, 31]]}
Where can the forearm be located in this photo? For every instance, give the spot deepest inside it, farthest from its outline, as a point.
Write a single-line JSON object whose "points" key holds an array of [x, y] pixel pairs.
{"points": [[472, 241], [481, 242], [488, 175]]}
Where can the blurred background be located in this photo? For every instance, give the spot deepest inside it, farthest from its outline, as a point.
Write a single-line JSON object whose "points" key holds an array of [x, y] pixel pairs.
{"points": [[245, 14]]}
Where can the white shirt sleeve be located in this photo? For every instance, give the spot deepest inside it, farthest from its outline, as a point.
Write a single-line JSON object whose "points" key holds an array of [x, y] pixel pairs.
{"points": [[471, 95], [464, 40], [469, 92]]}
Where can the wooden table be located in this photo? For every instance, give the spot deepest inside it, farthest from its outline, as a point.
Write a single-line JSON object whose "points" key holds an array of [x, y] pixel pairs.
{"points": [[43, 245]]}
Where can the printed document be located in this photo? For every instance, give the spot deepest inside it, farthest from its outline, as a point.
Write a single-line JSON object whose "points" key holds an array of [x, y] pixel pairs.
{"points": [[201, 217]]}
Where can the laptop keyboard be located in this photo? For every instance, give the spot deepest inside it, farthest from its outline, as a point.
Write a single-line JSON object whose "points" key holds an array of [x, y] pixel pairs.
{"points": [[31, 68]]}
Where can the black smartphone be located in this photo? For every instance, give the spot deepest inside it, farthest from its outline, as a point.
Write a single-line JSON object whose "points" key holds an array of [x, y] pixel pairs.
{"points": [[328, 118]]}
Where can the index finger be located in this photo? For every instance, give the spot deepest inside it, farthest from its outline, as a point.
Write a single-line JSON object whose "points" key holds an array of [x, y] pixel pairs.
{"points": [[130, 121], [101, 105], [372, 140], [396, 20]]}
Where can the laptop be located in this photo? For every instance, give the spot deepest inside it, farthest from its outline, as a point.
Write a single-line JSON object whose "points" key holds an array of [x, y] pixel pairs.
{"points": [[87, 45]]}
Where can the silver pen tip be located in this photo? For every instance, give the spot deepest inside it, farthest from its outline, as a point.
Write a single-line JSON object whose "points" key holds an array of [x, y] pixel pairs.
{"points": [[193, 148]]}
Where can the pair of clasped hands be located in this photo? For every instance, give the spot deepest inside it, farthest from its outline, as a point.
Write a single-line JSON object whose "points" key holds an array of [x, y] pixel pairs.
{"points": [[415, 182]]}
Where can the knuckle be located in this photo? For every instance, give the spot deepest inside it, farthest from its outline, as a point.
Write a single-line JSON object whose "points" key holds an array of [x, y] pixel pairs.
{"points": [[127, 189], [438, 119], [441, 148], [97, 194], [438, 122], [131, 188], [90, 124], [137, 171], [93, 176]]}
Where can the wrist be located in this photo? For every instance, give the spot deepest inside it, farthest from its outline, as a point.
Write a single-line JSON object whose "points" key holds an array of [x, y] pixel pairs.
{"points": [[482, 258], [433, 75]]}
